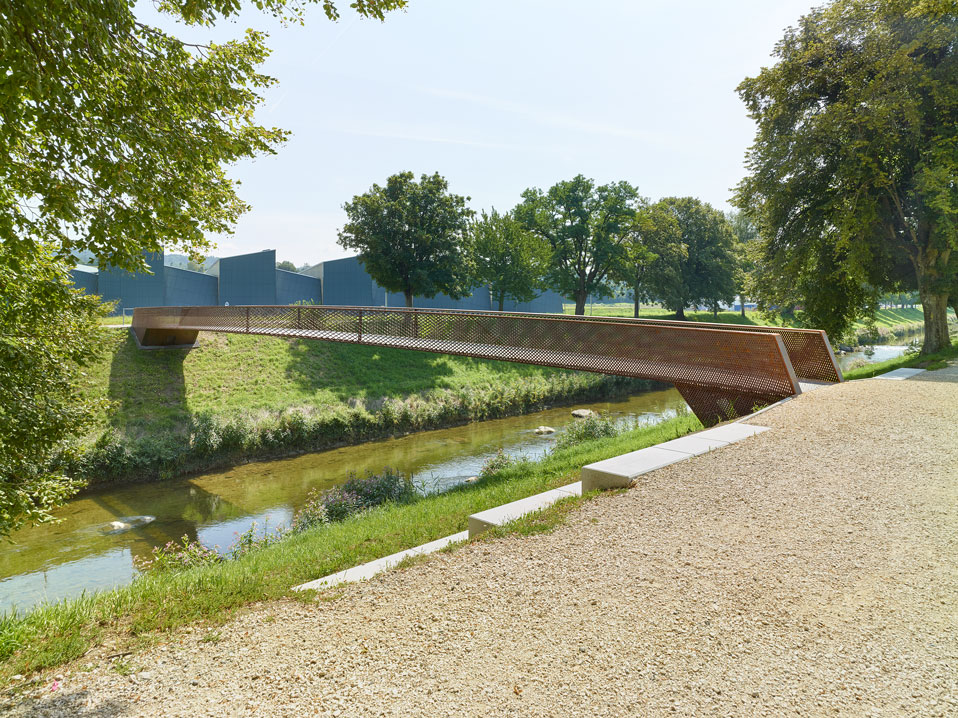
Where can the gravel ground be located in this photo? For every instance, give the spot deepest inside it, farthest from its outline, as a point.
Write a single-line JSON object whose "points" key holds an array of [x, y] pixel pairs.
{"points": [[810, 570]]}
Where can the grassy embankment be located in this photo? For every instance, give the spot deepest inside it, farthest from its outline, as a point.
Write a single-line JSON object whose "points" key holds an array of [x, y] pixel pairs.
{"points": [[236, 398], [888, 324], [156, 603], [931, 362]]}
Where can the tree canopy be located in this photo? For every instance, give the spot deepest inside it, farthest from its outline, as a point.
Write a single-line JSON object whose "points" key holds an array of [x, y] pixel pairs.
{"points": [[654, 245], [510, 259], [703, 272], [852, 174], [115, 135], [412, 237], [586, 227], [115, 139]]}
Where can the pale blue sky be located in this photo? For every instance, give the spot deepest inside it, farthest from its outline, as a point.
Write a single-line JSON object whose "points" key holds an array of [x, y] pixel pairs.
{"points": [[498, 96]]}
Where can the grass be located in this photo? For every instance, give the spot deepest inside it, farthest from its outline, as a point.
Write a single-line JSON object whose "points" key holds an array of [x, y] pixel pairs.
{"points": [[884, 318], [52, 635], [938, 360], [336, 393]]}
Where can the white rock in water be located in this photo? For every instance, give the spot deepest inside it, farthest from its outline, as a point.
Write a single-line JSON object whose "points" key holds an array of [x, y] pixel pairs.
{"points": [[583, 413], [119, 525], [472, 479], [545, 430]]}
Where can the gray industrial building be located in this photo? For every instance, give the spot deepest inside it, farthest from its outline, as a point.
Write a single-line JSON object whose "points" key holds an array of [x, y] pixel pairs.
{"points": [[254, 279]]}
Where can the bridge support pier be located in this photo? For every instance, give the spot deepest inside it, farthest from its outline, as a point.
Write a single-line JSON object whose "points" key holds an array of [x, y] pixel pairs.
{"points": [[169, 338], [713, 406]]}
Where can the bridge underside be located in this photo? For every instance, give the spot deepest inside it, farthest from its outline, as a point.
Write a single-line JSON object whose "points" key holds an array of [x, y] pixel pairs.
{"points": [[721, 371]]}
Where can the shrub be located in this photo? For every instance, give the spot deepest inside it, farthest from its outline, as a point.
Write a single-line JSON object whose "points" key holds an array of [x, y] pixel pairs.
{"points": [[495, 464], [177, 556], [357, 494], [588, 429]]}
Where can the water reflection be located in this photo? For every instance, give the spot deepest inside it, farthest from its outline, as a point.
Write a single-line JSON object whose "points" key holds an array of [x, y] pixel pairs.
{"points": [[82, 552]]}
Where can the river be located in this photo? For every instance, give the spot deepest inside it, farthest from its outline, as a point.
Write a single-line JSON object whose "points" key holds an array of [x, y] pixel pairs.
{"points": [[83, 552]]}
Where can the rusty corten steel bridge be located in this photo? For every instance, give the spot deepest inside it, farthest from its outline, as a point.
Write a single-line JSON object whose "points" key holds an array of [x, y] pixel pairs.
{"points": [[721, 370]]}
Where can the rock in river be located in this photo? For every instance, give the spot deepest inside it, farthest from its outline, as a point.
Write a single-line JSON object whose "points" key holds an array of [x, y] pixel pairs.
{"points": [[583, 413], [545, 430]]}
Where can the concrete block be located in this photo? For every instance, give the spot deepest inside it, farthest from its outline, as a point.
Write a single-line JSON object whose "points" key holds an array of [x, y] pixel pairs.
{"points": [[368, 570], [572, 489], [731, 433], [619, 471], [485, 520], [693, 445], [900, 374]]}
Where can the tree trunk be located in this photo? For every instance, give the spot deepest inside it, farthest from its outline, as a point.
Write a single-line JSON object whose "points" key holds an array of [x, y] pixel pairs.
{"points": [[680, 314], [502, 302], [635, 299], [741, 298], [935, 307], [580, 300], [715, 311], [409, 296]]}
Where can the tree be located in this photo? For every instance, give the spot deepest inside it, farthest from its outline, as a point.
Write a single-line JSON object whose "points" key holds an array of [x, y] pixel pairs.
{"points": [[412, 236], [48, 332], [114, 139], [587, 228], [705, 272], [745, 234], [852, 174], [286, 265], [654, 244], [509, 258]]}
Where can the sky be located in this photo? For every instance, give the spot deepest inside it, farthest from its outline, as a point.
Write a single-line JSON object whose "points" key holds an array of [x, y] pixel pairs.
{"points": [[497, 96]]}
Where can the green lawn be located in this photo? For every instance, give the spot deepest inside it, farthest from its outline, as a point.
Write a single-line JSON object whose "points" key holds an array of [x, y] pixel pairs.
{"points": [[52, 635], [929, 361], [886, 318]]}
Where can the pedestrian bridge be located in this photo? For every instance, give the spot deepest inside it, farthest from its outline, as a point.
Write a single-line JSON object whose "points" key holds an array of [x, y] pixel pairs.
{"points": [[721, 370]]}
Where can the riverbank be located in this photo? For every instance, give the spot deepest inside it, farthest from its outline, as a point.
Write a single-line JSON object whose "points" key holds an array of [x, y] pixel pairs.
{"points": [[139, 614], [237, 398], [794, 573]]}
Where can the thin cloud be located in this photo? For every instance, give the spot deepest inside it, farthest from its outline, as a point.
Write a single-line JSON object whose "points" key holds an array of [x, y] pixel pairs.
{"points": [[387, 134], [549, 118]]}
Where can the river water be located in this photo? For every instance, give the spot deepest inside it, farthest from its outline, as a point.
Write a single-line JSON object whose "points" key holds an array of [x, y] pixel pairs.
{"points": [[85, 552]]}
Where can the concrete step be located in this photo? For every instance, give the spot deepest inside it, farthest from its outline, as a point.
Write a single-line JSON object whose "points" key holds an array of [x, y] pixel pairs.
{"points": [[500, 515]]}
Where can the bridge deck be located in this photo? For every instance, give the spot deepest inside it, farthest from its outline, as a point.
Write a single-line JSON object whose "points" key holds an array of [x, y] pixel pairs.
{"points": [[720, 371]]}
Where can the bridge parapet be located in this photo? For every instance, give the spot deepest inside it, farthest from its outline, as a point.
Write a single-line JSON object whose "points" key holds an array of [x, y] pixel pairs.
{"points": [[720, 372]]}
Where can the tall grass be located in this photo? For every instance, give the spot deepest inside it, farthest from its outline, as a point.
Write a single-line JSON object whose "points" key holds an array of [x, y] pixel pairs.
{"points": [[51, 635]]}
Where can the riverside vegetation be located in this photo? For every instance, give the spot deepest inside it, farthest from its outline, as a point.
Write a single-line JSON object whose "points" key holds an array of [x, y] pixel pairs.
{"points": [[236, 398], [160, 601]]}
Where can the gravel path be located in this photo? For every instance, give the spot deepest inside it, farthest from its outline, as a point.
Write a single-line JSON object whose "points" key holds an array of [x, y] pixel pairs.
{"points": [[810, 570]]}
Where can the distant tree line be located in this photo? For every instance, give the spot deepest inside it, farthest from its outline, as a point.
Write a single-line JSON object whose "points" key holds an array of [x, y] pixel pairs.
{"points": [[576, 238]]}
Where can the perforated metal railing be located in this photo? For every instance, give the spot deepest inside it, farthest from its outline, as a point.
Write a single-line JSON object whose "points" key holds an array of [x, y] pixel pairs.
{"points": [[809, 350], [720, 372]]}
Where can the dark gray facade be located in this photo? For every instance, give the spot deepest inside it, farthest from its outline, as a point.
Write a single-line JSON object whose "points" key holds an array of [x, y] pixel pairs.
{"points": [[186, 288], [86, 278], [292, 288], [131, 290], [248, 278]]}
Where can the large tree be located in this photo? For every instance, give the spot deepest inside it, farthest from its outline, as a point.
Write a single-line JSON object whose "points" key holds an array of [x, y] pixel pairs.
{"points": [[587, 228], [114, 139], [654, 245], [744, 250], [509, 258], [852, 174], [412, 237], [48, 332], [705, 272]]}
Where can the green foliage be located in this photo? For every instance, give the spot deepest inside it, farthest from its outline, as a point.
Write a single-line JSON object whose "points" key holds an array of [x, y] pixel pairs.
{"points": [[587, 228], [510, 259], [705, 272], [498, 462], [48, 333], [851, 176], [286, 265], [412, 237], [587, 429], [654, 245], [175, 411]]}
